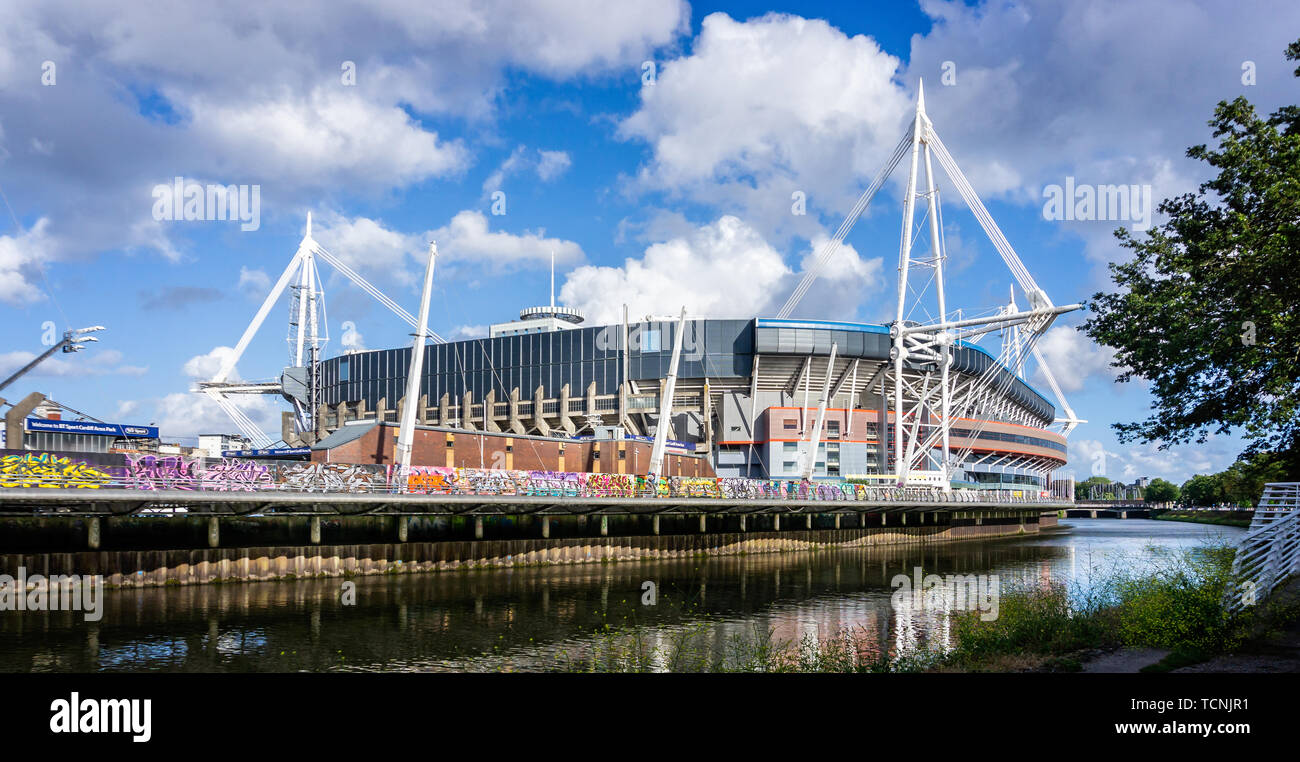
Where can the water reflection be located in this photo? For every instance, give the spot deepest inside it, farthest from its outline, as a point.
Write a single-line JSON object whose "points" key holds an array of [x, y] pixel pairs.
{"points": [[539, 618]]}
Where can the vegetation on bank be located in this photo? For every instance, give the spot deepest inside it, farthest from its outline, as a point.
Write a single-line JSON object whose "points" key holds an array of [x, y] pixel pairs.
{"points": [[1174, 603], [1218, 518]]}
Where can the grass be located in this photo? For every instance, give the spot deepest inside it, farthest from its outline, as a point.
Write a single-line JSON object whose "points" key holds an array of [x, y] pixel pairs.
{"points": [[1204, 517]]}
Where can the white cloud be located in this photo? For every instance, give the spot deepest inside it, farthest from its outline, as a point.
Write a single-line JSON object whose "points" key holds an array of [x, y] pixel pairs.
{"points": [[86, 363], [552, 164], [548, 165], [254, 283], [1074, 358], [253, 93], [762, 108], [352, 338], [467, 239], [187, 414], [328, 137], [723, 269], [1125, 463], [468, 332], [205, 366], [21, 257]]}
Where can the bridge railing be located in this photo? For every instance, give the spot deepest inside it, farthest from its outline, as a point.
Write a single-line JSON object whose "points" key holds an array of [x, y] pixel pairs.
{"points": [[1269, 552]]}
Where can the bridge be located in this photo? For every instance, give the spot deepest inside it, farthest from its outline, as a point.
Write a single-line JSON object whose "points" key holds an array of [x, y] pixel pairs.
{"points": [[1108, 509]]}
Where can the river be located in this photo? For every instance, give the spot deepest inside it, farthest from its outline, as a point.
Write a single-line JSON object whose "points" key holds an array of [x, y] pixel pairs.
{"points": [[548, 618]]}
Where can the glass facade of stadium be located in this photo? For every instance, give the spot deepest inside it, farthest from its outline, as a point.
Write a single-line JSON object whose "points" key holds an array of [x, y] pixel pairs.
{"points": [[746, 395]]}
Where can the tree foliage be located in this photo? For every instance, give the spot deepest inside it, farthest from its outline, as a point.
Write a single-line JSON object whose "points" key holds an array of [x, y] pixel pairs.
{"points": [[1161, 491], [1240, 484], [1206, 310]]}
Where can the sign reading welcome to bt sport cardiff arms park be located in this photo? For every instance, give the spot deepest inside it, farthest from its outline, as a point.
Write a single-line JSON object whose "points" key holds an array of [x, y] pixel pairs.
{"points": [[91, 427]]}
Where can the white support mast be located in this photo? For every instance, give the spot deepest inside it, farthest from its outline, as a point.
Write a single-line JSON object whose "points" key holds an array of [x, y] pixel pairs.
{"points": [[810, 462], [305, 338], [925, 346], [411, 403], [666, 404]]}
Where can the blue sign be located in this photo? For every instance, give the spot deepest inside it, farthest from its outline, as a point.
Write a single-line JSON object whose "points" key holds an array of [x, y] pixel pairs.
{"points": [[269, 452], [90, 427]]}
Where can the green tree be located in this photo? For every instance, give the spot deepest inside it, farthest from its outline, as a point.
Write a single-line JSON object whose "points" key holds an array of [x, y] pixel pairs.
{"points": [[1207, 308], [1161, 491], [1201, 490]]}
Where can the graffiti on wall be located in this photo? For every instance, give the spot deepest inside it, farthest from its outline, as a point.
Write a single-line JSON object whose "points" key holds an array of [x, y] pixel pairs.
{"points": [[332, 477], [23, 469], [47, 469]]}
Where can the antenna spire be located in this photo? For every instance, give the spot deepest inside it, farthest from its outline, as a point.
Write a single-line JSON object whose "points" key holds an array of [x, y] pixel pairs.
{"points": [[552, 282]]}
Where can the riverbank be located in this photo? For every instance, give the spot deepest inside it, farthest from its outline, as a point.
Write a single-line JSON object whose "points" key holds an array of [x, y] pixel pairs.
{"points": [[154, 568], [1218, 518], [1168, 618]]}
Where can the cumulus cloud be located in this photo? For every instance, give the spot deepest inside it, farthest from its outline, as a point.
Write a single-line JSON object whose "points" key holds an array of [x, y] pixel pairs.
{"points": [[205, 366], [467, 239], [466, 242], [249, 93], [1125, 463], [762, 108], [21, 256], [253, 282], [548, 165], [327, 137], [187, 414], [1074, 358], [723, 269]]}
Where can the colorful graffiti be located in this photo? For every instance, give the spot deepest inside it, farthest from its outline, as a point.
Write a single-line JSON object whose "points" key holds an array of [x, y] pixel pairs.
{"points": [[22, 469], [47, 469], [332, 477]]}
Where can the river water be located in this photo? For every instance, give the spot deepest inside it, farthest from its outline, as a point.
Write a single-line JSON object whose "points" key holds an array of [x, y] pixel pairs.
{"points": [[557, 617]]}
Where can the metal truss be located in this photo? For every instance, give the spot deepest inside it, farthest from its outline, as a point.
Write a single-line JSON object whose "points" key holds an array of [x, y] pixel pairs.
{"points": [[307, 336], [926, 397]]}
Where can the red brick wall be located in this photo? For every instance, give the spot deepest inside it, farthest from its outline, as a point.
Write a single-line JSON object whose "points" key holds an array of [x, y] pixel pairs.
{"points": [[478, 450]]}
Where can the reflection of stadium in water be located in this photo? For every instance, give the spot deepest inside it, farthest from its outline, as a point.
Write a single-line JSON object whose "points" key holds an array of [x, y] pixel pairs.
{"points": [[532, 618]]}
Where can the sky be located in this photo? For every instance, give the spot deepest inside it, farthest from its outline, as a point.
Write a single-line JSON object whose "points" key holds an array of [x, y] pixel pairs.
{"points": [[660, 149]]}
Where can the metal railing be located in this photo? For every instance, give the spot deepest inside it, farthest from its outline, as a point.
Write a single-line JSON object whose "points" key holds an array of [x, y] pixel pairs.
{"points": [[1269, 552]]}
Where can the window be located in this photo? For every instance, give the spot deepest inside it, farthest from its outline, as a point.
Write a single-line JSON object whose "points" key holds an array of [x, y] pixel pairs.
{"points": [[790, 424], [650, 340], [343, 369]]}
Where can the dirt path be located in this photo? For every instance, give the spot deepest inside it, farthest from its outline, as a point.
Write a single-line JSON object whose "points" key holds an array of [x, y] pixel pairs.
{"points": [[1125, 660]]}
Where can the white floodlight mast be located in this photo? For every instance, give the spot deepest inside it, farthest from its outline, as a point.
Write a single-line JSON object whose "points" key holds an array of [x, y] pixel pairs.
{"points": [[411, 403], [815, 440], [666, 404]]}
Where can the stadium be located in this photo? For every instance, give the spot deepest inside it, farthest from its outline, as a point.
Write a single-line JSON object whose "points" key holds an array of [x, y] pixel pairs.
{"points": [[919, 401], [746, 395]]}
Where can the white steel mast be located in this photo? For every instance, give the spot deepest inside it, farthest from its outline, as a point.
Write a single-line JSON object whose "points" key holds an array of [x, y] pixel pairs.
{"points": [[411, 403]]}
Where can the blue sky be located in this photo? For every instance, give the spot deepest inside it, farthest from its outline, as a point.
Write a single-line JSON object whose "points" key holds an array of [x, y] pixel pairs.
{"points": [[650, 194]]}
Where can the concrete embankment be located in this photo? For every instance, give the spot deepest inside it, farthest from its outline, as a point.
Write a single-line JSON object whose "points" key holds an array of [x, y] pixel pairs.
{"points": [[140, 566]]}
